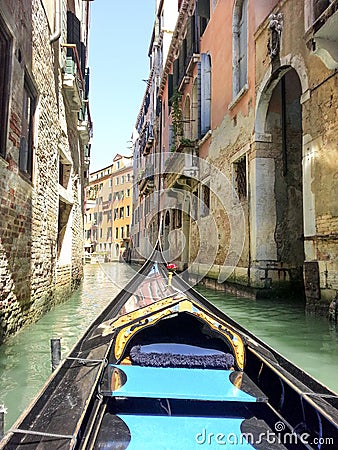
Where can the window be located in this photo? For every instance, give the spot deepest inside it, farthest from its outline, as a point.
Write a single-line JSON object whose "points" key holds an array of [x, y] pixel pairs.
{"points": [[240, 178], [128, 210], [204, 200], [127, 231], [319, 6], [5, 51], [109, 233], [122, 179], [122, 232], [116, 213], [27, 123], [203, 14], [110, 197], [240, 46], [205, 91], [128, 177], [110, 182], [109, 216], [122, 212], [100, 217], [194, 205], [100, 233], [128, 193], [116, 233], [117, 181]]}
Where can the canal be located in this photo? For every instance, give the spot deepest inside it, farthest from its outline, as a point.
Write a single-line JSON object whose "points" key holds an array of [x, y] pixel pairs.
{"points": [[310, 342]]}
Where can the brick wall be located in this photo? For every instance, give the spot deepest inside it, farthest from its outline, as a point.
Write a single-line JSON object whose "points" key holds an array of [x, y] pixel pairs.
{"points": [[31, 277]]}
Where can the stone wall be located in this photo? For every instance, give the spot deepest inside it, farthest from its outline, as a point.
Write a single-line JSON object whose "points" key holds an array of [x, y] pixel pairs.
{"points": [[32, 278]]}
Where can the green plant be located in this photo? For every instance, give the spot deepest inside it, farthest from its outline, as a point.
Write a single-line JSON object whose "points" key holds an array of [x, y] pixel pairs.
{"points": [[176, 119]]}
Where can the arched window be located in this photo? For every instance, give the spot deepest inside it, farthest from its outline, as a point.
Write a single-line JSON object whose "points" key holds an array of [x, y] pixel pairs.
{"points": [[240, 46]]}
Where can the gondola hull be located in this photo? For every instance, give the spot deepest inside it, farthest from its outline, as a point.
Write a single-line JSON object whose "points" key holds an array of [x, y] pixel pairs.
{"points": [[162, 367]]}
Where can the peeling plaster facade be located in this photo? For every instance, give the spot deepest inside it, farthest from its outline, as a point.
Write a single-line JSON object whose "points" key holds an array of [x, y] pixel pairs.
{"points": [[271, 130]]}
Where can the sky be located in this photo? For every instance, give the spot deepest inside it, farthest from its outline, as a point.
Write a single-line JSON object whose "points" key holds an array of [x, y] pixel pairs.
{"points": [[119, 39]]}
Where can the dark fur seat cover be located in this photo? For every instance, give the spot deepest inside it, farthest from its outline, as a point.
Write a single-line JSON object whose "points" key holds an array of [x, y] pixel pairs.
{"points": [[155, 359]]}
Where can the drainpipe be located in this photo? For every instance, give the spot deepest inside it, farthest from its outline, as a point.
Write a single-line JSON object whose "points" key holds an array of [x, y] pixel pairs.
{"points": [[57, 32]]}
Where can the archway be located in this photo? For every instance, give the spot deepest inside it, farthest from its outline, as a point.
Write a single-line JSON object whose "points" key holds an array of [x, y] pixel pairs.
{"points": [[284, 124], [277, 193]]}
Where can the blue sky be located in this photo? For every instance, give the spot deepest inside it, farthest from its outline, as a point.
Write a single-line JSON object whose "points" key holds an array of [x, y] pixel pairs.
{"points": [[120, 33]]}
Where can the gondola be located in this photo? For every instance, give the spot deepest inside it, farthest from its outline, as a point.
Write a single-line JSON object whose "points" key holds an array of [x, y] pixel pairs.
{"points": [[163, 368]]}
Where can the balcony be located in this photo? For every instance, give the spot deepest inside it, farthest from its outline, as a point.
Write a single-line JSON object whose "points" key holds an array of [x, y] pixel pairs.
{"points": [[322, 36], [146, 139], [145, 180], [72, 85], [84, 126], [181, 167]]}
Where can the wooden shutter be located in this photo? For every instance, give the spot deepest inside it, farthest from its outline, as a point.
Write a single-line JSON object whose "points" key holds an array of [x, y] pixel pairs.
{"points": [[243, 46], [205, 97], [5, 44]]}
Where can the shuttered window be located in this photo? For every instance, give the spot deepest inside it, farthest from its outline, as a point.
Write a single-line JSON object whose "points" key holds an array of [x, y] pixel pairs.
{"points": [[203, 9], [240, 46], [205, 94], [5, 48], [74, 37]]}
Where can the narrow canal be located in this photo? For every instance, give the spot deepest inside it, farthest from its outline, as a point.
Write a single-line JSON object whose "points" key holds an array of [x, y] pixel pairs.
{"points": [[312, 343]]}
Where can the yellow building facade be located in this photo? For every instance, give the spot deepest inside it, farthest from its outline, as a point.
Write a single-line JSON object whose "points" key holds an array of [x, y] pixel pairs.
{"points": [[108, 211]]}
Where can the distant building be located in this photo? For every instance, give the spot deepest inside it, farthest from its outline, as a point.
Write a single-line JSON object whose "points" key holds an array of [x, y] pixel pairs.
{"points": [[147, 138], [45, 131], [109, 211]]}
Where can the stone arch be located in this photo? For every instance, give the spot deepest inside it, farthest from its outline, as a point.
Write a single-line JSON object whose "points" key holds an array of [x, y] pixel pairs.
{"points": [[268, 84], [277, 170]]}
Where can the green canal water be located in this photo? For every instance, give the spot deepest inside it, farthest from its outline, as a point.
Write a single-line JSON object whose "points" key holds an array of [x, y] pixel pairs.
{"points": [[311, 343]]}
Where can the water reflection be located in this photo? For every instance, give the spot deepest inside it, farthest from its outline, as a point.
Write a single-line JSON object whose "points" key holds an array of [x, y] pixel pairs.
{"points": [[308, 341], [25, 363]]}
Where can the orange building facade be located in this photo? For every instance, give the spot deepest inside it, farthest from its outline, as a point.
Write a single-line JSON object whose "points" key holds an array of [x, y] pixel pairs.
{"points": [[243, 172]]}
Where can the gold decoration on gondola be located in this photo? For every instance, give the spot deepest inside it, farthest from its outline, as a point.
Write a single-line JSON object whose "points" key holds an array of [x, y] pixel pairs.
{"points": [[150, 315]]}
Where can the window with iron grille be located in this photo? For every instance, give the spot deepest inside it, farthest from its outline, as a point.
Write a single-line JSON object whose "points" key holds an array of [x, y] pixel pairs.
{"points": [[5, 51], [27, 124], [240, 178], [204, 200]]}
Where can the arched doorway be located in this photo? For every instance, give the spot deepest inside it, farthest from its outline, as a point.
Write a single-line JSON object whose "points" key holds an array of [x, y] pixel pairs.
{"points": [[277, 194], [284, 124]]}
